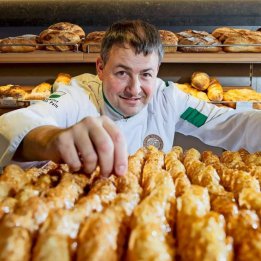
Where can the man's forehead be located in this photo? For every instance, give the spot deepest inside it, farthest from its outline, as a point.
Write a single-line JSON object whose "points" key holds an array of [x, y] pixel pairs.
{"points": [[123, 56]]}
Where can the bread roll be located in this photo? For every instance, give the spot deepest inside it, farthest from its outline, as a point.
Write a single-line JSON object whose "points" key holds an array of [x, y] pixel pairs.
{"points": [[42, 87], [92, 42], [200, 80], [186, 87], [215, 90], [64, 78], [169, 41], [4, 89], [15, 91]]}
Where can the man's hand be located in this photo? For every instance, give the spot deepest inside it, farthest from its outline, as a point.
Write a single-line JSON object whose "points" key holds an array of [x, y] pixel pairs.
{"points": [[91, 142]]}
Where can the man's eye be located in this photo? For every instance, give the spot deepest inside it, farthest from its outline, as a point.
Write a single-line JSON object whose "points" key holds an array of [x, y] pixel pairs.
{"points": [[121, 73], [147, 75]]}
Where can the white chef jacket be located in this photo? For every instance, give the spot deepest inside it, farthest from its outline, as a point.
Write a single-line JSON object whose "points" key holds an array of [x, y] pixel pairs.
{"points": [[168, 111]]}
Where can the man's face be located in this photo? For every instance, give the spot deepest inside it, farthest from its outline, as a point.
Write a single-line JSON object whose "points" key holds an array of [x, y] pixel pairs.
{"points": [[128, 79]]}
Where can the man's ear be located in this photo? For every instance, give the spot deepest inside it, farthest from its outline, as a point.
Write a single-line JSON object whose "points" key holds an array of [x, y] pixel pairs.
{"points": [[99, 67]]}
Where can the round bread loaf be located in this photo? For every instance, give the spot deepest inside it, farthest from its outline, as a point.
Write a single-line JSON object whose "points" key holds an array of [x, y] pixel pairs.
{"points": [[200, 81], [169, 41], [61, 40], [18, 44], [92, 42], [66, 26]]}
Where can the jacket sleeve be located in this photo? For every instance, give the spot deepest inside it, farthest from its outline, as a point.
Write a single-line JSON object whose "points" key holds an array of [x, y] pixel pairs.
{"points": [[217, 126], [62, 109]]}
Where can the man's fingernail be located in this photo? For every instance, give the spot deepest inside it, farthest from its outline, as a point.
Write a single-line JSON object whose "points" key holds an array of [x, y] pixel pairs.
{"points": [[121, 169]]}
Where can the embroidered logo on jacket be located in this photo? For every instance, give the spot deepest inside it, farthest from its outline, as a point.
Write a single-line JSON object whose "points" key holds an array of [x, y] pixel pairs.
{"points": [[52, 99], [153, 140]]}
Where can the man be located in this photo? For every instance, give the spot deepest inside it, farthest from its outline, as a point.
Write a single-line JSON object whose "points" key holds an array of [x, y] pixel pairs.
{"points": [[98, 120]]}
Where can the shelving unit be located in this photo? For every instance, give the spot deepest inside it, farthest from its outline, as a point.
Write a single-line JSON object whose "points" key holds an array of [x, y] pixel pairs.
{"points": [[80, 57]]}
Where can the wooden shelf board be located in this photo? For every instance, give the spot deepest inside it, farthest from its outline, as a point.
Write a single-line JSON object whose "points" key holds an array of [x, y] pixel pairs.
{"points": [[80, 57], [42, 57], [221, 57]]}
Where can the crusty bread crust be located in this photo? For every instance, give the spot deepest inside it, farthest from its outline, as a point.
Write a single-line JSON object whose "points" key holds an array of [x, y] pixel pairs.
{"points": [[204, 42], [169, 41], [234, 36], [21, 44], [92, 42], [66, 26], [50, 36]]}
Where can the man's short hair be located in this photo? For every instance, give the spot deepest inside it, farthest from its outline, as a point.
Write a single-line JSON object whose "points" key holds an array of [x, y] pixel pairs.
{"points": [[141, 36]]}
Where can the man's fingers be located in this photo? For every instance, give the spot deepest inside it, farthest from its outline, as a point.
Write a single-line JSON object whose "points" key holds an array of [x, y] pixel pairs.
{"points": [[68, 152], [87, 153], [120, 147], [104, 148]]}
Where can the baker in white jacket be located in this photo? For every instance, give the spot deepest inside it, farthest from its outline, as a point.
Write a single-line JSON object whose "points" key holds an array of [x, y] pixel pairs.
{"points": [[100, 119]]}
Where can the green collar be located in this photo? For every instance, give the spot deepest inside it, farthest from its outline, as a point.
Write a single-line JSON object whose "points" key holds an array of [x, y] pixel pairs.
{"points": [[108, 103]]}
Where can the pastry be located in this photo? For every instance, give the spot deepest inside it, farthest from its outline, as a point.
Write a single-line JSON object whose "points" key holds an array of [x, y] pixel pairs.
{"points": [[215, 90]]}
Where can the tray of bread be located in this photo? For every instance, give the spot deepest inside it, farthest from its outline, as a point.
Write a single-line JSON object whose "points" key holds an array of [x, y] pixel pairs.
{"points": [[16, 96], [180, 205], [209, 89]]}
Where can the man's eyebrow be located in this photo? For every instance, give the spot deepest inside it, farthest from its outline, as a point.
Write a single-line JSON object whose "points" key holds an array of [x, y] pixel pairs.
{"points": [[129, 69]]}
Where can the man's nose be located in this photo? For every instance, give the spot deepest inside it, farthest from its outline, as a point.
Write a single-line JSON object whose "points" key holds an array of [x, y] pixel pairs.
{"points": [[135, 86]]}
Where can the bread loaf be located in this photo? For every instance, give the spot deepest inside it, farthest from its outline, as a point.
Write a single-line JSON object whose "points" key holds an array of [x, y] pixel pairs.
{"points": [[92, 42], [204, 42], [62, 36], [215, 90], [59, 40], [237, 37], [200, 80], [18, 44], [248, 40], [66, 26], [169, 41], [241, 95]]}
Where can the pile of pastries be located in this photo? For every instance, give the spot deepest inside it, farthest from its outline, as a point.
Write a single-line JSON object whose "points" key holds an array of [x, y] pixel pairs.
{"points": [[182, 205], [209, 89], [65, 36]]}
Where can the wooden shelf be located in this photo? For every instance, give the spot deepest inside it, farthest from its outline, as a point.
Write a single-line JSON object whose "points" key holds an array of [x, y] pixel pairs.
{"points": [[80, 57], [42, 57]]}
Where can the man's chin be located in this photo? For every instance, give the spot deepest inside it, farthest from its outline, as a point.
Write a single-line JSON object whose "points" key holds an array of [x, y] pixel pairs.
{"points": [[130, 113]]}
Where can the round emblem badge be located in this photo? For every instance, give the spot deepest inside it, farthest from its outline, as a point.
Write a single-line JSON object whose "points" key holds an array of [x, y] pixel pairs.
{"points": [[153, 140]]}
